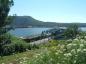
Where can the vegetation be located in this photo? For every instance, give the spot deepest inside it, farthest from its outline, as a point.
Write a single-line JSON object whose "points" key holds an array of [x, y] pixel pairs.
{"points": [[14, 50], [71, 52], [16, 45], [54, 52], [72, 31], [4, 22], [9, 44]]}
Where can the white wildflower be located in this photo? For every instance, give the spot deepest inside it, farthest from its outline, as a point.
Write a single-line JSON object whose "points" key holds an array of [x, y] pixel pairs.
{"points": [[51, 59], [69, 46], [74, 44], [81, 45], [25, 58], [74, 61], [76, 39], [81, 40], [70, 40], [21, 62], [78, 50], [85, 37], [84, 50], [68, 54], [56, 53], [73, 51], [3, 63]]}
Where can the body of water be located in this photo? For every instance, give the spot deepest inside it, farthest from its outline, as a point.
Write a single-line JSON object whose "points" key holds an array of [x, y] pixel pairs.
{"points": [[24, 32], [83, 29]]}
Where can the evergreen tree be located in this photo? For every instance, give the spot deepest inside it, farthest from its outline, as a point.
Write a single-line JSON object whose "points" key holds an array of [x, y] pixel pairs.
{"points": [[4, 21]]}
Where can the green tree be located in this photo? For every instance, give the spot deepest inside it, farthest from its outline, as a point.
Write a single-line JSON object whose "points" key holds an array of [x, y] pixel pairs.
{"points": [[4, 21], [72, 31]]}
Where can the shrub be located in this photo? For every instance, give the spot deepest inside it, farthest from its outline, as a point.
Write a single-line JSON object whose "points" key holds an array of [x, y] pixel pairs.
{"points": [[35, 46], [8, 49], [20, 47], [11, 48]]}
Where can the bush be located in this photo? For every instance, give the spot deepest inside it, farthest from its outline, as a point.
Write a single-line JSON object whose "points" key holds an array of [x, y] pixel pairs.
{"points": [[20, 47], [8, 49], [11, 48]]}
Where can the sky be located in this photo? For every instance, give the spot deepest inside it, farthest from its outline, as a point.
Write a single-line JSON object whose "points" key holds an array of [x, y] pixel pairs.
{"points": [[60, 11]]}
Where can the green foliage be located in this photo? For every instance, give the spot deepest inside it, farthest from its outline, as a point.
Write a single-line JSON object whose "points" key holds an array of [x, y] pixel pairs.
{"points": [[16, 45], [4, 10], [69, 53], [4, 40], [72, 51], [19, 47], [8, 49], [34, 46], [4, 21], [71, 31]]}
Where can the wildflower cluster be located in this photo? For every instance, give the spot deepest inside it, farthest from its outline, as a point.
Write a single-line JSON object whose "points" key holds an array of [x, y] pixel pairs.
{"points": [[70, 53], [61, 52]]}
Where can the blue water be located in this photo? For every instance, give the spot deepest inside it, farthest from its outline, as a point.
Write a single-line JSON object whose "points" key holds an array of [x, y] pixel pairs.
{"points": [[83, 29], [24, 32]]}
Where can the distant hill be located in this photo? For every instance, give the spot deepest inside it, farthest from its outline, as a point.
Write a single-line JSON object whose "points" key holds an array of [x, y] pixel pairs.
{"points": [[28, 21]]}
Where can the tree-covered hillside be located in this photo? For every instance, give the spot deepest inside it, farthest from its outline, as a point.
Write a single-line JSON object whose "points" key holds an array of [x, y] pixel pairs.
{"points": [[28, 21]]}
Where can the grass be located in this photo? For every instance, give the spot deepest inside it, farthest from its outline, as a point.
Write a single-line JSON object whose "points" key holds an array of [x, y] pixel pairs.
{"points": [[16, 58]]}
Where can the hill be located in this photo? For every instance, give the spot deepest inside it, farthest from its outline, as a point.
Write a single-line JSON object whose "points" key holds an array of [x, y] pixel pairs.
{"points": [[28, 21]]}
